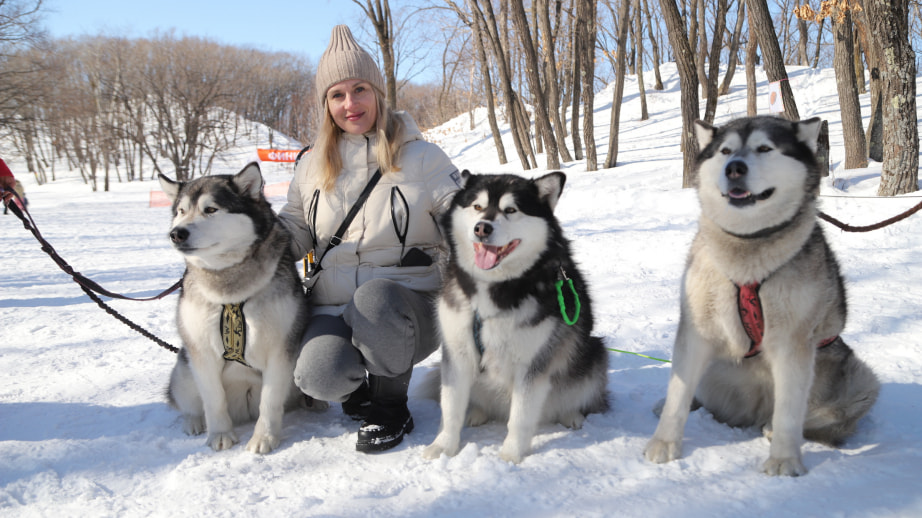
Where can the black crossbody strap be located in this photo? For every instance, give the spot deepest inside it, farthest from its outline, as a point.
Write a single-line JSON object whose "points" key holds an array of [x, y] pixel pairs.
{"points": [[341, 231]]}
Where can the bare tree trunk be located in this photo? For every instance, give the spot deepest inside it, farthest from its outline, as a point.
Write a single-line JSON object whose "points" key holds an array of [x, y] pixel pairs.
{"points": [[488, 89], [889, 23], [488, 22], [638, 45], [857, 63], [691, 19], [685, 62], [852, 126], [751, 58], [586, 18], [816, 50], [874, 133], [575, 84], [720, 24], [702, 47], [658, 79], [611, 159], [784, 32], [802, 43], [734, 48], [773, 61], [552, 93], [379, 14]]}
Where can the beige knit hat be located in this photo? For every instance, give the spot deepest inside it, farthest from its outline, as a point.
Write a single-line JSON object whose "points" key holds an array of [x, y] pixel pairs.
{"points": [[345, 59]]}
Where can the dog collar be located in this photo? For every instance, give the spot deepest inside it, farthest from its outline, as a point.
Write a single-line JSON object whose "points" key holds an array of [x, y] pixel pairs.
{"points": [[768, 231], [749, 307], [765, 232], [234, 333]]}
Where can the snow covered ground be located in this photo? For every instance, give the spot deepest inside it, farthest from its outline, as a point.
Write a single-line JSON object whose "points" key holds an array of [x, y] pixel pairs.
{"points": [[85, 431]]}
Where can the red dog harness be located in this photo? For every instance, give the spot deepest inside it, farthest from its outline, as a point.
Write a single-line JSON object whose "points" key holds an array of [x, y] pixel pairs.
{"points": [[749, 307]]}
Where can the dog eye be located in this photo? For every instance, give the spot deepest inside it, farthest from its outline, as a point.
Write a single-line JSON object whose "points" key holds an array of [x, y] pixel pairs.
{"points": [[510, 210], [725, 151], [181, 212], [763, 149], [210, 210], [478, 207]]}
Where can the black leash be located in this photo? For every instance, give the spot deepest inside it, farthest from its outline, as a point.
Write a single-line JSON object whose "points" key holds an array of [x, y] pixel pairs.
{"points": [[90, 287]]}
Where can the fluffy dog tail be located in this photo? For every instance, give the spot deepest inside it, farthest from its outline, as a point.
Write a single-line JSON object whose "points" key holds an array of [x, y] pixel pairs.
{"points": [[844, 391]]}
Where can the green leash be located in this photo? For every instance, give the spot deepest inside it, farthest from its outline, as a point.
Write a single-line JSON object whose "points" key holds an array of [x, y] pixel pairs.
{"points": [[638, 354], [562, 303], [570, 321]]}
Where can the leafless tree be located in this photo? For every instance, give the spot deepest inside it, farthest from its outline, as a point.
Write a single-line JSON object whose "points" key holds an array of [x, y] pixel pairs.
{"points": [[379, 14], [856, 155], [889, 22], [654, 43], [548, 36], [515, 112], [19, 31], [733, 49], [585, 46], [638, 45], [611, 159], [542, 118], [874, 133], [772, 59], [685, 62], [752, 57], [720, 22], [573, 71]]}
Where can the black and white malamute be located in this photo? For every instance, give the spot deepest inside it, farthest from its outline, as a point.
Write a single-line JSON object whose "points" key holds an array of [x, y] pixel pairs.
{"points": [[762, 301], [241, 312], [515, 316]]}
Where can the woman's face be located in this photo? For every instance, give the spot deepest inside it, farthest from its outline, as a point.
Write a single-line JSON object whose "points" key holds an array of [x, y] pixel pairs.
{"points": [[353, 106]]}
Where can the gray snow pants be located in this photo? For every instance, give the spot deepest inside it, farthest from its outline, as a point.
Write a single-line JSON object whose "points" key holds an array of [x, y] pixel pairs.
{"points": [[384, 330]]}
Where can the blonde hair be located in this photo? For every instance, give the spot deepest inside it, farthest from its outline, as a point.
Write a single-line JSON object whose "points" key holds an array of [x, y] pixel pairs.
{"points": [[388, 129]]}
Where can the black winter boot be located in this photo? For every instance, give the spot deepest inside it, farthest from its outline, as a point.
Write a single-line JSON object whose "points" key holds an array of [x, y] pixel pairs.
{"points": [[388, 417], [359, 402]]}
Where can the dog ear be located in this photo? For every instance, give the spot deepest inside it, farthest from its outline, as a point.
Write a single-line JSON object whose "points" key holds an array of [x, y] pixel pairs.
{"points": [[250, 180], [705, 133], [550, 186], [808, 132], [170, 188]]}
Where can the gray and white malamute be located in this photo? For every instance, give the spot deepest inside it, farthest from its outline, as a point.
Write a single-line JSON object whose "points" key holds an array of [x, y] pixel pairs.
{"points": [[762, 301], [241, 312], [515, 317]]}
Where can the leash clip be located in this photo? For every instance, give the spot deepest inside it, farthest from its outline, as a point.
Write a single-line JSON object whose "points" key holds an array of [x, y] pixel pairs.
{"points": [[562, 274]]}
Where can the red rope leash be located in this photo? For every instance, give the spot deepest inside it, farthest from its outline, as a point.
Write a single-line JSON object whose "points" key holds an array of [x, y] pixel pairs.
{"points": [[849, 228]]}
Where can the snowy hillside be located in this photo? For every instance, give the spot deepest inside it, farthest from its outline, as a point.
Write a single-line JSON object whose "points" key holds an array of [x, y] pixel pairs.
{"points": [[85, 431]]}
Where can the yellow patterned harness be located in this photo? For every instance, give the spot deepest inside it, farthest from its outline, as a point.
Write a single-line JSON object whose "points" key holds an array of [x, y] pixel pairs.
{"points": [[234, 333]]}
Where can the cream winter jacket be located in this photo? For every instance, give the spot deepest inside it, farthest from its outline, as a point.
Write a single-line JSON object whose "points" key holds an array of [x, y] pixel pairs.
{"points": [[370, 248]]}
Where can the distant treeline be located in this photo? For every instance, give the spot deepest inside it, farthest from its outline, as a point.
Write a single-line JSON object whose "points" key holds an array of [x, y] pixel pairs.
{"points": [[119, 109]]}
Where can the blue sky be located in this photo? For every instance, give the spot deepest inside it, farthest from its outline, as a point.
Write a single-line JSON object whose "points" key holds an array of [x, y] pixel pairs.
{"points": [[295, 26]]}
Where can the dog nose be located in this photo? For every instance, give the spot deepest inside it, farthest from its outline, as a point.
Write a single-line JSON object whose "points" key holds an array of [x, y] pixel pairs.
{"points": [[483, 229], [178, 235], [736, 169]]}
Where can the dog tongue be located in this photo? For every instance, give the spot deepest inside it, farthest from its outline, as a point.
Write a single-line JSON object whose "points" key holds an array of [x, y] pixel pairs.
{"points": [[738, 193], [486, 256]]}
